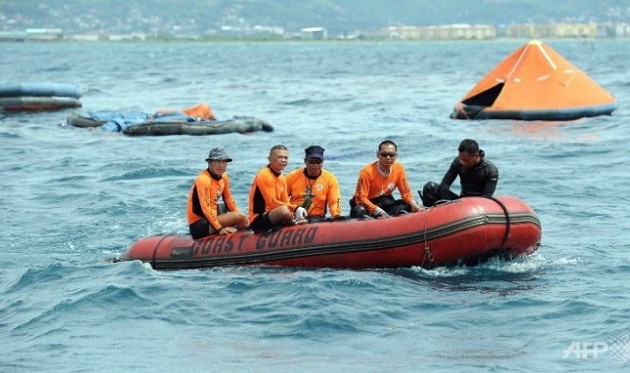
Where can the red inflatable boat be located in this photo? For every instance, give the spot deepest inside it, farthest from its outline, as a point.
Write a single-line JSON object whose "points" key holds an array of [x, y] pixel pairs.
{"points": [[466, 231]]}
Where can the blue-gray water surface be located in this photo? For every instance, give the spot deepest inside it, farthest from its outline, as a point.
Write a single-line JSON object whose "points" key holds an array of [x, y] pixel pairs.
{"points": [[72, 199]]}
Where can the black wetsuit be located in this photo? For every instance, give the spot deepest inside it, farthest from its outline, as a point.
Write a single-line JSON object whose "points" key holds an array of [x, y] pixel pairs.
{"points": [[479, 180]]}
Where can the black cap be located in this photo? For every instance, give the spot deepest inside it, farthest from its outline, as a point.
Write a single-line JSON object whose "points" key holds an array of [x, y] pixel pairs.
{"points": [[314, 151]]}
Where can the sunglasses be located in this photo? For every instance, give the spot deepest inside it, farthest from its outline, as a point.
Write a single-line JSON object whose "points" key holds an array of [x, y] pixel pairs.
{"points": [[385, 155], [314, 160]]}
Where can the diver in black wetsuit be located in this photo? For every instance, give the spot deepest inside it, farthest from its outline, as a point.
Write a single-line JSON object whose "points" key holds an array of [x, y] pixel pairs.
{"points": [[477, 176]]}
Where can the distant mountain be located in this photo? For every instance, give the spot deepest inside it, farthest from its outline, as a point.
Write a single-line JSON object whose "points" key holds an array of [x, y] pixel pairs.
{"points": [[203, 16]]}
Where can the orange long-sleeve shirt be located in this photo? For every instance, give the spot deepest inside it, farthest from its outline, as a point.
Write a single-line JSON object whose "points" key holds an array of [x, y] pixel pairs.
{"points": [[323, 192], [372, 184], [204, 195], [268, 191]]}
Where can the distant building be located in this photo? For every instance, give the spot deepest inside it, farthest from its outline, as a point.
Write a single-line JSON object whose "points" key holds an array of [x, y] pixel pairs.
{"points": [[34, 34], [441, 32], [85, 37], [245, 30], [614, 30], [138, 36], [45, 33], [314, 33], [552, 30]]}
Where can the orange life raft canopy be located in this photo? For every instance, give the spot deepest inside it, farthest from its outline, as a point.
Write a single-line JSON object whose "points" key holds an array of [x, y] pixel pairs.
{"points": [[535, 83]]}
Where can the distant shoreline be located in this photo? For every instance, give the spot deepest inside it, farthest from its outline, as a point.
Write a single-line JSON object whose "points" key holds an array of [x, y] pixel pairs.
{"points": [[301, 41]]}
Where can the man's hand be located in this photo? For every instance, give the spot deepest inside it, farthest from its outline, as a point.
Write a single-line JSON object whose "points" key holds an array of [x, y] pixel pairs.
{"points": [[379, 213], [415, 207], [299, 215], [227, 230]]}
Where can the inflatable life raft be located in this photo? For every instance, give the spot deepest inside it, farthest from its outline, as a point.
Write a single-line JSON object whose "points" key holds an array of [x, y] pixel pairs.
{"points": [[535, 83], [39, 96], [465, 231], [145, 124]]}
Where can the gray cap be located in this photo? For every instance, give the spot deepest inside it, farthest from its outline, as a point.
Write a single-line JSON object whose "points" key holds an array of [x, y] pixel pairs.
{"points": [[218, 154]]}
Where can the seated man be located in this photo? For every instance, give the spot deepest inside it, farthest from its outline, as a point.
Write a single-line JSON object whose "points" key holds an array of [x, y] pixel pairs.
{"points": [[202, 207], [377, 181], [269, 206], [314, 188], [477, 176]]}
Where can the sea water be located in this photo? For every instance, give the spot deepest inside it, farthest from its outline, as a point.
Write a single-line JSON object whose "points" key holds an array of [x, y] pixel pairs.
{"points": [[73, 199]]}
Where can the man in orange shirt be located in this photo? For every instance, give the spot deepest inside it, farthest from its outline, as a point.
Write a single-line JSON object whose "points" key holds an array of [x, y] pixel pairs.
{"points": [[314, 188], [377, 181], [269, 206], [202, 207]]}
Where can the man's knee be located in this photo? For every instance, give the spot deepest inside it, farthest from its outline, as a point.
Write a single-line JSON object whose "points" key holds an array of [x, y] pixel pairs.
{"points": [[399, 208], [358, 211], [281, 215]]}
